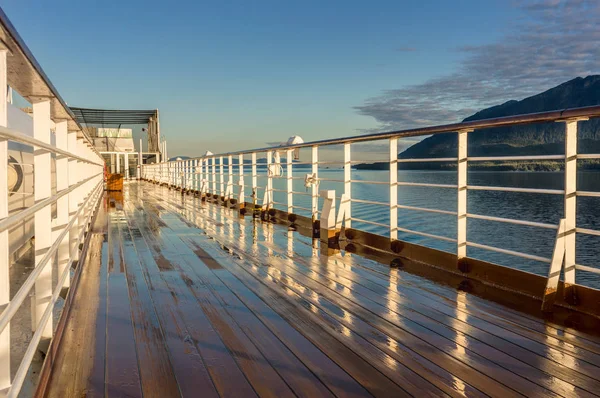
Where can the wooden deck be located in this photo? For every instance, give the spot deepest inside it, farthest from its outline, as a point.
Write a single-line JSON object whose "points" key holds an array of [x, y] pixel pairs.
{"points": [[183, 298]]}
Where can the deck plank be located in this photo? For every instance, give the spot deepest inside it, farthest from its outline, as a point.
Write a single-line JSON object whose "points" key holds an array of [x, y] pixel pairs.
{"points": [[337, 380], [187, 299], [296, 375], [82, 367], [505, 341]]}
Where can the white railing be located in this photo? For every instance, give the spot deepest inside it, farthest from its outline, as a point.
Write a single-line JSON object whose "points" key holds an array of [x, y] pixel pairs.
{"points": [[78, 172], [206, 175]]}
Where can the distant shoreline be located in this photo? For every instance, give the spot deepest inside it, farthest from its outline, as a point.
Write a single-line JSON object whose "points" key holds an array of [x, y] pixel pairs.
{"points": [[484, 166]]}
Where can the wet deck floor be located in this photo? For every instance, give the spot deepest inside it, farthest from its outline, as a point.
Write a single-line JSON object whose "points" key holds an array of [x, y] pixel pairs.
{"points": [[185, 299]]}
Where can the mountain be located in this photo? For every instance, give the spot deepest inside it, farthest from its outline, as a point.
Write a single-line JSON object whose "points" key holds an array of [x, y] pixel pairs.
{"points": [[535, 139]]}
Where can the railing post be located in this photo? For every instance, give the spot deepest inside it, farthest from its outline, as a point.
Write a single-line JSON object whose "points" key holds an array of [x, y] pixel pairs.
{"points": [[221, 185], [269, 189], [42, 219], [393, 188], [290, 181], [73, 196], [196, 175], [461, 233], [348, 183], [570, 207], [5, 379], [315, 190], [254, 182], [126, 171], [214, 175], [230, 177], [241, 198], [62, 205]]}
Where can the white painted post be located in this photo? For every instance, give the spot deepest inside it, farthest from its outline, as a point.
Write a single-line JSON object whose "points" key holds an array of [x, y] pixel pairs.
{"points": [[393, 188], [81, 167], [221, 185], [254, 182], [290, 181], [570, 204], [348, 183], [241, 198], [73, 196], [62, 205], [230, 176], [461, 244], [118, 163], [42, 218], [126, 171], [269, 193], [214, 175], [196, 175], [315, 192], [5, 379], [140, 161], [556, 264]]}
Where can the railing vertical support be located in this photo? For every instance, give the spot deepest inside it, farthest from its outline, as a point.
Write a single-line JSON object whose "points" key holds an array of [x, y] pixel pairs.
{"points": [[196, 176], [5, 380], [315, 188], [570, 207], [230, 177], [62, 205], [214, 175], [269, 191], [461, 221], [73, 195], [241, 198], [393, 188], [348, 184], [221, 185], [126, 171], [254, 182], [42, 219], [290, 181]]}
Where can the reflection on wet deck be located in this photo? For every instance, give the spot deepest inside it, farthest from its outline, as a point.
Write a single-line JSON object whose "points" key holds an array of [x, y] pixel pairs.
{"points": [[185, 298]]}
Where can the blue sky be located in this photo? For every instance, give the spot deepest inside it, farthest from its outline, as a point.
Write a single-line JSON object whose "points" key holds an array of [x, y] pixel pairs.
{"points": [[237, 74]]}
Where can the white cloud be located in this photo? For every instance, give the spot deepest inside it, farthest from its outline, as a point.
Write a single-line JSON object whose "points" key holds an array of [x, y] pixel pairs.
{"points": [[557, 41]]}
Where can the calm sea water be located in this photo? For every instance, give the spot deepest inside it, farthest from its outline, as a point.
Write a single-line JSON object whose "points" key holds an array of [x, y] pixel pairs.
{"points": [[545, 208]]}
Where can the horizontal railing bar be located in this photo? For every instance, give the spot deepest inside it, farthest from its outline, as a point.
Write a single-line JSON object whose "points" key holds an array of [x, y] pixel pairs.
{"points": [[589, 193], [23, 291], [369, 222], [17, 384], [512, 189], [588, 156], [587, 231], [17, 136], [587, 268], [410, 231], [370, 202], [30, 211], [370, 182], [415, 160], [331, 180], [511, 252], [301, 193], [550, 116], [422, 184], [503, 158], [452, 213], [512, 221]]}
